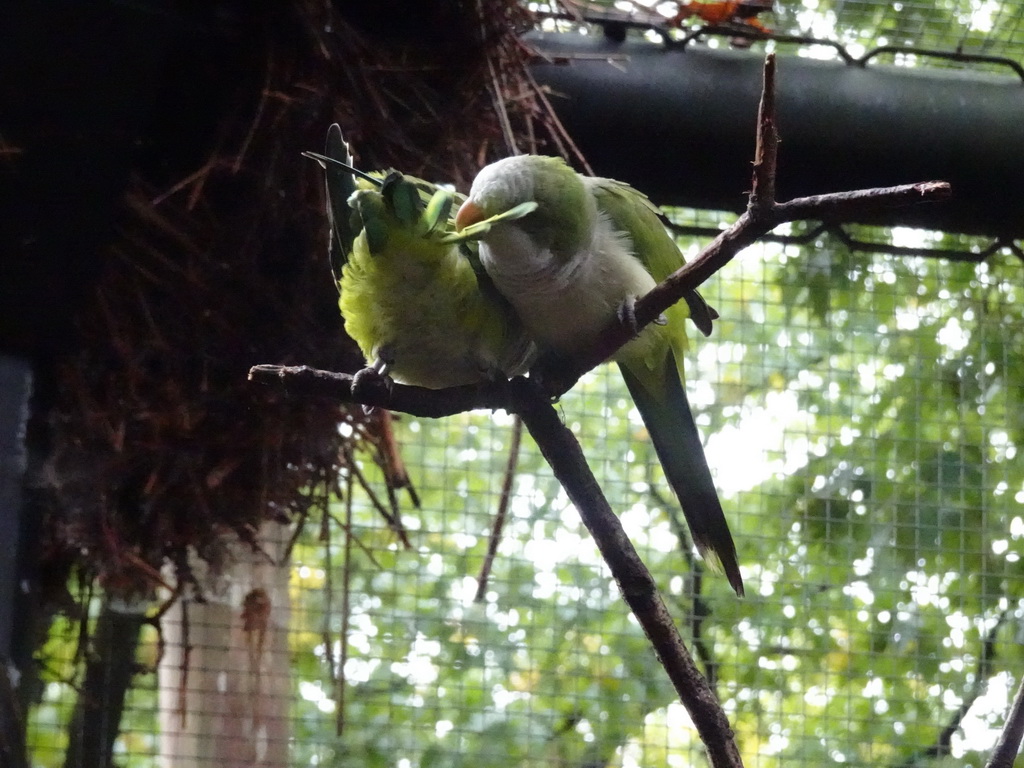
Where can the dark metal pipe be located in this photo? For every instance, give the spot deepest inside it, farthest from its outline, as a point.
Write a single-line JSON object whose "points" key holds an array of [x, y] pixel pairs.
{"points": [[679, 124]]}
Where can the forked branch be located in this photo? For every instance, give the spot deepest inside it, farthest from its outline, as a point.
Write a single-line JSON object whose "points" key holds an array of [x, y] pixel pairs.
{"points": [[530, 399]]}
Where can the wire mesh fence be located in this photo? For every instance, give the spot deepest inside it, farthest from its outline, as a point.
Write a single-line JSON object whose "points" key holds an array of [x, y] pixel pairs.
{"points": [[861, 415]]}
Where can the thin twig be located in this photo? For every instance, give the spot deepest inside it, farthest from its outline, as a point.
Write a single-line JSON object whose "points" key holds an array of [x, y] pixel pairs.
{"points": [[699, 610], [394, 521], [558, 130], [346, 610], [328, 611], [389, 457], [495, 87], [355, 540], [257, 117], [766, 152], [502, 513], [943, 743], [186, 663]]}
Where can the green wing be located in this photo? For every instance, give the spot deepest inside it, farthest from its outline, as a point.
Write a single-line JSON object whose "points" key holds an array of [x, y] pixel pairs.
{"points": [[632, 212], [655, 380]]}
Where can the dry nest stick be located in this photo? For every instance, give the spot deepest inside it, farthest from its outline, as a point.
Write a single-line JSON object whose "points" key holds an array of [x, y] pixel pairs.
{"points": [[530, 398]]}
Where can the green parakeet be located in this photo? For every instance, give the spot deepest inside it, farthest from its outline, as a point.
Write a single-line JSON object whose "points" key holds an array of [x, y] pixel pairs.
{"points": [[588, 250], [409, 294]]}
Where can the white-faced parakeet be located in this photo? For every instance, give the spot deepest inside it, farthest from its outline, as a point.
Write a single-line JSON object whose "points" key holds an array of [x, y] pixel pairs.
{"points": [[409, 294], [590, 248]]}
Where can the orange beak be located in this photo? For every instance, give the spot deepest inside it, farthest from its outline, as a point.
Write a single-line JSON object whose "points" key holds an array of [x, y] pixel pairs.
{"points": [[469, 213]]}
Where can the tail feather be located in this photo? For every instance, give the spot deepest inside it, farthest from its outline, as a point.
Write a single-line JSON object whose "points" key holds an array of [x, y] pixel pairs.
{"points": [[701, 313], [673, 431]]}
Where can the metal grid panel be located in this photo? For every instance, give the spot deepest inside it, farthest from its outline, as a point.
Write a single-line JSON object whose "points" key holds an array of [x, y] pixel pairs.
{"points": [[861, 417]]}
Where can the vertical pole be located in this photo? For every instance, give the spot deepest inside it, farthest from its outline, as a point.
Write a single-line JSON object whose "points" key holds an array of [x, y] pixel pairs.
{"points": [[15, 391]]}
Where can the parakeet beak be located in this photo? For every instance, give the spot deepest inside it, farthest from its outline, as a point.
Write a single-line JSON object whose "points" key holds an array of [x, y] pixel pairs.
{"points": [[469, 213]]}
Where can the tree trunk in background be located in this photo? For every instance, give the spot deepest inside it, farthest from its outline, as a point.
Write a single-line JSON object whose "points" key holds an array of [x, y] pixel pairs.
{"points": [[224, 677]]}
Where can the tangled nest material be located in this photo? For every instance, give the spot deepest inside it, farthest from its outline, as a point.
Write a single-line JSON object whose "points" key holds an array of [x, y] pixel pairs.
{"points": [[161, 446]]}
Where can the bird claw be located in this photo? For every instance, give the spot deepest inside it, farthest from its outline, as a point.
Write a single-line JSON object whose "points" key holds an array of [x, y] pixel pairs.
{"points": [[372, 377], [627, 316]]}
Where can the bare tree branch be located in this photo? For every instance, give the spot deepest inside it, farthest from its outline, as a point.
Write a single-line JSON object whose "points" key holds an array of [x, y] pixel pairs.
{"points": [[986, 659], [374, 390], [763, 214], [563, 452]]}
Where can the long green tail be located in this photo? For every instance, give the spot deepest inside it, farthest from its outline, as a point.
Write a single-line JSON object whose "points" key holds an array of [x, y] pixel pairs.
{"points": [[674, 433]]}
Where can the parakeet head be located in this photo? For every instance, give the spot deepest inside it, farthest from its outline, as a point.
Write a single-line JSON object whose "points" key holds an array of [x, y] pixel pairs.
{"points": [[565, 209], [504, 184]]}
